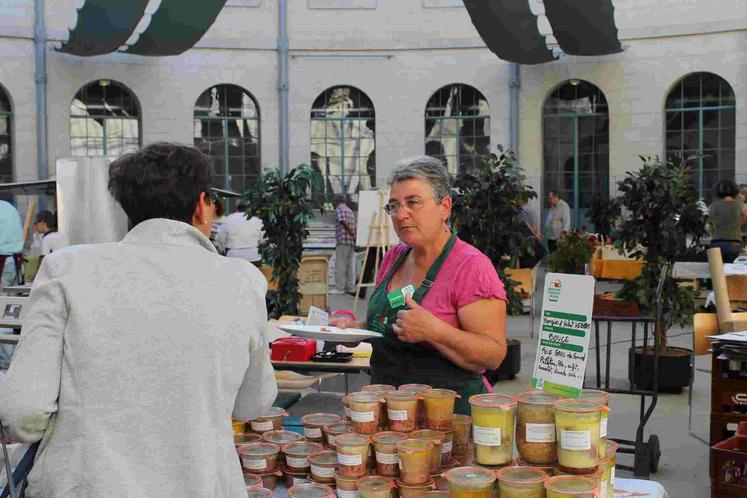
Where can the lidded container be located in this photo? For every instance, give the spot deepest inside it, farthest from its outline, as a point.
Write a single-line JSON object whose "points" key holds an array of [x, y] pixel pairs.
{"points": [[270, 421], [414, 458], [259, 457], [470, 482], [402, 410], [493, 418], [352, 454], [380, 390], [364, 412], [417, 389], [439, 408], [385, 450], [331, 431], [314, 422], [375, 487], [414, 490], [569, 487], [323, 466], [282, 437], [239, 426], [296, 454], [311, 490], [602, 397], [462, 434], [252, 481], [447, 447], [245, 438], [611, 450], [521, 482], [535, 427], [347, 487], [259, 493], [577, 429], [437, 438]]}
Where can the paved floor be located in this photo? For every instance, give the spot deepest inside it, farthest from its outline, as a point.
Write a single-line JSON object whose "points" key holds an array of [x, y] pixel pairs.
{"points": [[683, 469]]}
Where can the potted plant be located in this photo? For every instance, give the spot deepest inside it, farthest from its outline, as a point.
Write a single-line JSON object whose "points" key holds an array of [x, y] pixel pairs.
{"points": [[603, 212], [285, 207], [573, 252], [663, 223]]}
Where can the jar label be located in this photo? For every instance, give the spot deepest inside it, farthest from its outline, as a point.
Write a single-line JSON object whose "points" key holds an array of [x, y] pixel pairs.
{"points": [[297, 462], [603, 488], [349, 459], [362, 416], [387, 458], [446, 448], [254, 464], [397, 414], [342, 493], [487, 436], [603, 427], [612, 476], [313, 433], [322, 471], [331, 440], [540, 433], [262, 426], [575, 440]]}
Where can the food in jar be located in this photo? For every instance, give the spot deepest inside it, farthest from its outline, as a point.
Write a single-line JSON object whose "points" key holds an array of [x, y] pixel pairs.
{"points": [[352, 454], [245, 438], [329, 432], [270, 421], [252, 481], [521, 482], [326, 483], [402, 410], [269, 479], [604, 398], [296, 454], [293, 478], [437, 438], [462, 434], [259, 493], [364, 412], [323, 465], [547, 469], [493, 418], [347, 487], [419, 389], [380, 390], [569, 487], [385, 451], [611, 453], [313, 424], [414, 460], [239, 426], [414, 490], [259, 457], [577, 429], [535, 427], [375, 487], [439, 408], [447, 447], [311, 490], [470, 482], [282, 437]]}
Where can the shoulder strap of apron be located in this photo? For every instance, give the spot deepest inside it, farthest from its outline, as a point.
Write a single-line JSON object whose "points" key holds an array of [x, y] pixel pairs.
{"points": [[430, 277]]}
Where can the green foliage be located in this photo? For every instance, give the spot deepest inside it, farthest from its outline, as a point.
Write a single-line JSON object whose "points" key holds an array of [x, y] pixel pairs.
{"points": [[573, 252], [486, 214], [285, 208], [603, 213], [663, 223]]}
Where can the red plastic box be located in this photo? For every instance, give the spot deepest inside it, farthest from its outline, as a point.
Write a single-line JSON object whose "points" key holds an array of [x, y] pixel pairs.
{"points": [[292, 349]]}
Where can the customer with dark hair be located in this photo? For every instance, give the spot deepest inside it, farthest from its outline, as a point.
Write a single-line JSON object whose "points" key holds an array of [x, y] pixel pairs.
{"points": [[52, 240], [726, 218], [135, 355]]}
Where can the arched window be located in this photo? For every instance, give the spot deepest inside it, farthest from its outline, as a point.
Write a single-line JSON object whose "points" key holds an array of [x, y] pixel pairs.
{"points": [[343, 140], [457, 127], [6, 143], [576, 146], [104, 120], [701, 120], [226, 128]]}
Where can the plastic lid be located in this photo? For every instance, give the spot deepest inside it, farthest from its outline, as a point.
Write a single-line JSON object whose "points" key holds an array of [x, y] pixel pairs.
{"points": [[274, 411], [441, 393], [428, 435], [352, 439], [259, 493], [320, 418], [364, 397], [521, 475], [338, 428], [470, 477], [418, 388], [577, 405], [281, 437], [546, 468], [537, 398], [570, 484], [310, 490], [323, 457], [259, 449], [595, 395], [401, 395], [378, 388], [375, 483], [246, 438], [414, 445], [304, 448], [389, 437], [502, 401], [425, 485]]}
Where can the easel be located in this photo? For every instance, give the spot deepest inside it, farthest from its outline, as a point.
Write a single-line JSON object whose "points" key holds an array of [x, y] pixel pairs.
{"points": [[378, 229]]}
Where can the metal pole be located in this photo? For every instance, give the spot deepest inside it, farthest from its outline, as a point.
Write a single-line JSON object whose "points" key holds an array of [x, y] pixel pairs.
{"points": [[40, 83], [283, 83], [514, 84]]}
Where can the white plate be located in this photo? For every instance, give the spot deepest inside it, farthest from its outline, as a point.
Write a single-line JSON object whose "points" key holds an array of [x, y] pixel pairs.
{"points": [[334, 335]]}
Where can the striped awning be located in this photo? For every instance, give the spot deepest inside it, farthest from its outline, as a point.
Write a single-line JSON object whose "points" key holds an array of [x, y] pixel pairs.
{"points": [[103, 26], [584, 27]]}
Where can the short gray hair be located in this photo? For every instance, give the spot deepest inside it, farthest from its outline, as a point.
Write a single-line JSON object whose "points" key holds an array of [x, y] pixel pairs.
{"points": [[428, 169]]}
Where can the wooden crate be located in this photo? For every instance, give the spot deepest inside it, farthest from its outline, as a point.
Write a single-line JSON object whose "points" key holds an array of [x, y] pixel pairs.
{"points": [[312, 282], [607, 305]]}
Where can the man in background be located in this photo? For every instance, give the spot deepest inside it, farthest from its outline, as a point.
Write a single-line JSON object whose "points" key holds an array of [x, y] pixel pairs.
{"points": [[240, 235], [51, 239], [11, 241], [558, 220], [345, 249]]}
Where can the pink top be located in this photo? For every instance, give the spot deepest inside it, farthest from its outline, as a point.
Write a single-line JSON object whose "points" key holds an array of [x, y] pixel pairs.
{"points": [[466, 276]]}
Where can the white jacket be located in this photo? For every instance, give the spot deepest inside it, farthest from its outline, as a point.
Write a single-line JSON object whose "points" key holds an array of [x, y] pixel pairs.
{"points": [[132, 360]]}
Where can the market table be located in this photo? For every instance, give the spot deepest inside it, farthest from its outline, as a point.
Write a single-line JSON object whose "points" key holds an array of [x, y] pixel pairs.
{"points": [[355, 365]]}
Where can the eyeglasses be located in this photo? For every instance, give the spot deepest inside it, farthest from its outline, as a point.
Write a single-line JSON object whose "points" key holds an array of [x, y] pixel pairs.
{"points": [[410, 205], [212, 196]]}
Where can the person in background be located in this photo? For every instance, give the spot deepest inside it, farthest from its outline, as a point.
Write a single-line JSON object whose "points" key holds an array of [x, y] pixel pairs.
{"points": [[11, 242], [52, 240], [531, 229], [135, 355], [240, 235], [558, 220], [345, 248], [220, 218], [726, 219]]}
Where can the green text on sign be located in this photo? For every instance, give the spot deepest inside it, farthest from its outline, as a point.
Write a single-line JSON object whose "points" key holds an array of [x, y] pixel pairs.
{"points": [[567, 347], [565, 316]]}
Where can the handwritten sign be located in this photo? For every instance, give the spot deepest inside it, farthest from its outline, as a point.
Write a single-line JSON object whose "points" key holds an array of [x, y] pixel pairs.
{"points": [[565, 326]]}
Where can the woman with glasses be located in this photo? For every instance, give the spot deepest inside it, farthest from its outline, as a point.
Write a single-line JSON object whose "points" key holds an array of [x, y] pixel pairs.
{"points": [[438, 301], [135, 355]]}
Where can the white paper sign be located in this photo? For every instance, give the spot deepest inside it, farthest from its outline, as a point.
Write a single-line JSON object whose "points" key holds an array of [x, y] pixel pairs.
{"points": [[565, 326]]}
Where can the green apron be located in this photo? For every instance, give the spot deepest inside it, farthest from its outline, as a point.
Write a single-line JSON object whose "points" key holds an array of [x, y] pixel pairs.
{"points": [[396, 362]]}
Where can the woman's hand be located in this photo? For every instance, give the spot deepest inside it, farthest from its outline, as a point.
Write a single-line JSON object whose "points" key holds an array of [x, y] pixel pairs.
{"points": [[342, 322], [414, 324]]}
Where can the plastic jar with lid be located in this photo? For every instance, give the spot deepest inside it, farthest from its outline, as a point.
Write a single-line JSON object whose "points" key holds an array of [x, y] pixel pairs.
{"points": [[604, 398], [311, 490], [414, 460], [270, 479], [439, 408], [448, 447], [569, 487], [364, 412], [462, 434], [413, 490], [493, 417], [521, 482], [437, 438], [470, 482], [331, 431], [547, 469], [294, 478], [259, 493], [385, 451], [296, 454], [375, 487], [420, 390], [577, 430], [352, 454], [402, 410], [323, 465], [535, 427], [282, 437], [245, 438], [259, 457], [252, 481], [611, 450], [239, 426], [380, 390], [347, 487], [270, 421], [314, 422]]}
